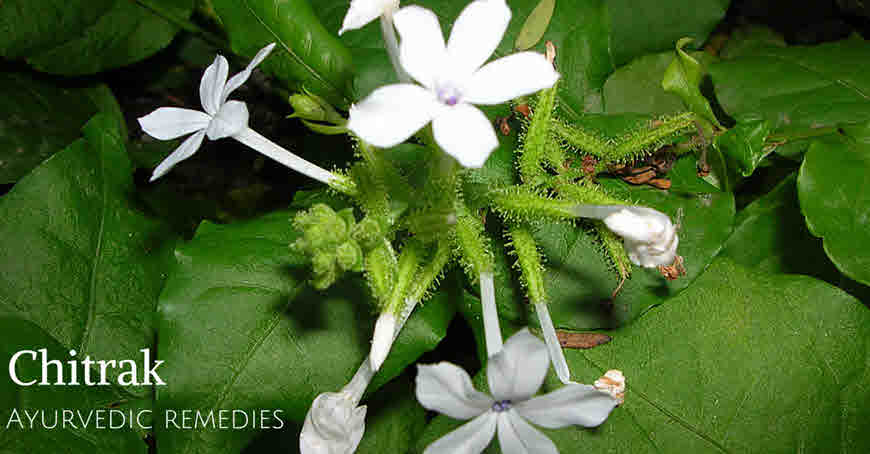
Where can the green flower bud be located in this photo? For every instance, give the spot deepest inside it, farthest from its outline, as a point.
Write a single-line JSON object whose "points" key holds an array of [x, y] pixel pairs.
{"points": [[367, 233], [349, 256], [311, 107]]}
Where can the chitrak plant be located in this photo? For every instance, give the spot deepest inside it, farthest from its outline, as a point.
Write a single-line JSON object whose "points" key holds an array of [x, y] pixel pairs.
{"points": [[639, 245]]}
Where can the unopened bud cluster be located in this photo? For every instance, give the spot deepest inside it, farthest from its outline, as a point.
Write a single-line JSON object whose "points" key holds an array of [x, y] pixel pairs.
{"points": [[333, 240]]}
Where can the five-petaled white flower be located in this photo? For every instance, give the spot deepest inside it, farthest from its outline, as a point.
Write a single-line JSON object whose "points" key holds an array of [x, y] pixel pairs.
{"points": [[514, 375], [454, 77], [221, 118], [361, 12]]}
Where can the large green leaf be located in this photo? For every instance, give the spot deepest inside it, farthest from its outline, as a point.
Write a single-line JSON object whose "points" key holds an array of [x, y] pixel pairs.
{"points": [[639, 28], [637, 86], [20, 335], [743, 361], [835, 198], [770, 235], [85, 37], [76, 257], [42, 118], [580, 281], [308, 55], [240, 329], [798, 87]]}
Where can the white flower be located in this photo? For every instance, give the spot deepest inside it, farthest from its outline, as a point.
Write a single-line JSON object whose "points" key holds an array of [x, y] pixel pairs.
{"points": [[221, 118], [334, 423], [514, 376], [361, 12], [454, 78], [650, 237]]}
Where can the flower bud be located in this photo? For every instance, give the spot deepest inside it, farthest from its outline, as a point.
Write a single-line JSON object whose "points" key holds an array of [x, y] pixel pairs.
{"points": [[313, 108], [349, 256]]}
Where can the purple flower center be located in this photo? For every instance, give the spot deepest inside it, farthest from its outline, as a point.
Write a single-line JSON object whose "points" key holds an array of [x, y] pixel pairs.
{"points": [[502, 405], [448, 95]]}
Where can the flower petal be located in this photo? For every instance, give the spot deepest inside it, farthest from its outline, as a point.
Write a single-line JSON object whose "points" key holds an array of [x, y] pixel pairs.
{"points": [[447, 389], [516, 436], [476, 33], [422, 51], [231, 119], [361, 12], [519, 369], [184, 151], [332, 424], [392, 113], [211, 87], [581, 405], [240, 78], [464, 132], [168, 123], [510, 77], [471, 438]]}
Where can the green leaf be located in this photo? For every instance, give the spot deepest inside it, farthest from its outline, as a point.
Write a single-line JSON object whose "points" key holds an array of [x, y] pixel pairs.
{"points": [[770, 235], [76, 257], [683, 78], [744, 145], [748, 39], [835, 198], [711, 370], [308, 55], [684, 178], [797, 87], [237, 307], [536, 25], [640, 28], [20, 335], [85, 37], [637, 86], [42, 118], [580, 281]]}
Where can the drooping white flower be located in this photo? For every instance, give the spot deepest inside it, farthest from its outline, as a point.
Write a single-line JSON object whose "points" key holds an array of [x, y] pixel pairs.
{"points": [[650, 237], [335, 423], [361, 12], [453, 78], [221, 118], [514, 374]]}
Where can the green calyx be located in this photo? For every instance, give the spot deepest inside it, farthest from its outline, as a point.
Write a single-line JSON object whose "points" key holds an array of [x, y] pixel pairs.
{"points": [[326, 238]]}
